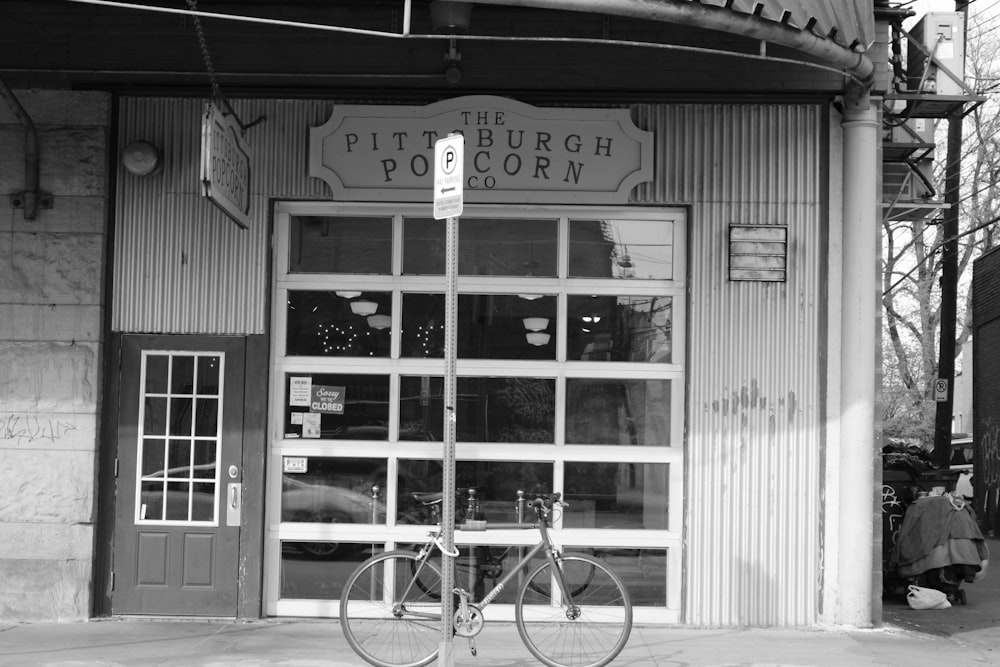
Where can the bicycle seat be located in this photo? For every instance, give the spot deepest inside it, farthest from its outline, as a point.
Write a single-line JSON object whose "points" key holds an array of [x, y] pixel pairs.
{"points": [[428, 497]]}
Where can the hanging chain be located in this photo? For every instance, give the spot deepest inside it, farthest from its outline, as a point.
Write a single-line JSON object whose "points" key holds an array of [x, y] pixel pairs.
{"points": [[216, 91]]}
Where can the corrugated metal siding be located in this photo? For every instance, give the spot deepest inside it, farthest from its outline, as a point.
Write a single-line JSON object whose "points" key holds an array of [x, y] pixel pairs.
{"points": [[181, 266], [754, 448]]}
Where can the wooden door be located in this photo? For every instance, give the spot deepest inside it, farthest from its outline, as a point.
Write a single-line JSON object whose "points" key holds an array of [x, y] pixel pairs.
{"points": [[179, 492]]}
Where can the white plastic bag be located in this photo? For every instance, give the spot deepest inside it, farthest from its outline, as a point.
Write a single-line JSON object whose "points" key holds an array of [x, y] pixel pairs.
{"points": [[926, 598]]}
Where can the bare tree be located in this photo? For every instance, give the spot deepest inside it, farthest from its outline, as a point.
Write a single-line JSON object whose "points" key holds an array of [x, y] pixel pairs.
{"points": [[911, 297]]}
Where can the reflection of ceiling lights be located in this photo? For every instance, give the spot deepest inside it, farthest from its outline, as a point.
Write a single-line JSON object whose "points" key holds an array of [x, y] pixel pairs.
{"points": [[591, 318], [537, 338], [535, 323], [379, 321], [363, 307], [348, 295], [529, 297]]}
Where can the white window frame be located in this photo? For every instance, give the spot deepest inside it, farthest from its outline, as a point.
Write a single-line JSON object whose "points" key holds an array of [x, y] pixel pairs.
{"points": [[394, 366]]}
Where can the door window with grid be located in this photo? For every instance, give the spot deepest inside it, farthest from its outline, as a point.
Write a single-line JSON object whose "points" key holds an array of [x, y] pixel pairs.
{"points": [[570, 378], [179, 437]]}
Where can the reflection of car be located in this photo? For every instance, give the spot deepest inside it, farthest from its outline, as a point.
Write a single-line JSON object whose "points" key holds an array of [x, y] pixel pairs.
{"points": [[962, 450], [321, 503]]}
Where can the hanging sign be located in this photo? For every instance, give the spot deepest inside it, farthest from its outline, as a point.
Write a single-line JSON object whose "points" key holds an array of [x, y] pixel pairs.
{"points": [[225, 165], [513, 151]]}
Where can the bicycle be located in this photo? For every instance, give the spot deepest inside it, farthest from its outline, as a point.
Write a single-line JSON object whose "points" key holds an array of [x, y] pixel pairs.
{"points": [[571, 610]]}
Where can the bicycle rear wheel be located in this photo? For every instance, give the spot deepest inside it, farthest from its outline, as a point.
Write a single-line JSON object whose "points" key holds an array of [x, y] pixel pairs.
{"points": [[387, 619], [591, 631]]}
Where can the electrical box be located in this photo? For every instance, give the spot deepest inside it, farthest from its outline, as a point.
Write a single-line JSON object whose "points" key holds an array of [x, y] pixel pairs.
{"points": [[943, 35], [912, 131]]}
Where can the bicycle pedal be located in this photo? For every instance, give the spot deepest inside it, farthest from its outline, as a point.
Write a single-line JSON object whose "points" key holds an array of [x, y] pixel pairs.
{"points": [[472, 647]]}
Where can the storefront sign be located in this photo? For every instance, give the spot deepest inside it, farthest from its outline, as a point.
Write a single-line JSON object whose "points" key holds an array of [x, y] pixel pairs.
{"points": [[225, 165], [513, 152], [327, 400]]}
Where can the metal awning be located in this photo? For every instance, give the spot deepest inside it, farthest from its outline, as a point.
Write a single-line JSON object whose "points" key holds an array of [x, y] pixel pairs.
{"points": [[836, 32]]}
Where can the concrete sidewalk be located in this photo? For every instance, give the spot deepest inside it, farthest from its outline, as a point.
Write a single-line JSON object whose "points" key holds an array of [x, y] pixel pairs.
{"points": [[315, 643]]}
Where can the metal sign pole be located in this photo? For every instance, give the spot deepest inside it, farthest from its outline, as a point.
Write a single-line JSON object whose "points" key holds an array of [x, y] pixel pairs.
{"points": [[448, 202], [446, 656]]}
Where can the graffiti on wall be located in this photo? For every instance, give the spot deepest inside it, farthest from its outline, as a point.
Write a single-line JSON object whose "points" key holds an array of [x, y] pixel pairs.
{"points": [[26, 429]]}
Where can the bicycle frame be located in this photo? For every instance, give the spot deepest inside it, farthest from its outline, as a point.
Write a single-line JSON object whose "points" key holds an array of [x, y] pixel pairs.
{"points": [[544, 545]]}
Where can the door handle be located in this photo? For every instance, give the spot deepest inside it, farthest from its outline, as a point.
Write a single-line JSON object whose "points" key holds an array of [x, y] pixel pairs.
{"points": [[234, 506]]}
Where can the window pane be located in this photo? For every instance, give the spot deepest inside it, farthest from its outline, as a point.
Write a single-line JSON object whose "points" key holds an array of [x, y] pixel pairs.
{"points": [[208, 375], [156, 373], [179, 459], [621, 249], [206, 416], [643, 571], [339, 324], [505, 326], [335, 490], [180, 416], [617, 412], [203, 501], [487, 247], [363, 413], [154, 418], [422, 326], [151, 502], [620, 328], [506, 409], [182, 377], [177, 501], [494, 484], [319, 570], [616, 495], [204, 458], [424, 246], [421, 408], [153, 457], [331, 244]]}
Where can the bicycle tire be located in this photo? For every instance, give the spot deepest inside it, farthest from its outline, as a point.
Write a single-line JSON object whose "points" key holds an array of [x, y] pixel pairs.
{"points": [[592, 632], [379, 615]]}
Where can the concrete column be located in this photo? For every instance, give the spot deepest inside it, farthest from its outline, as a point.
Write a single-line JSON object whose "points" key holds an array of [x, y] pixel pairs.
{"points": [[858, 371]]}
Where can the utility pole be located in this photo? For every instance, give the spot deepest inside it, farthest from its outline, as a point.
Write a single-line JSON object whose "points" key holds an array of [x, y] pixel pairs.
{"points": [[949, 273]]}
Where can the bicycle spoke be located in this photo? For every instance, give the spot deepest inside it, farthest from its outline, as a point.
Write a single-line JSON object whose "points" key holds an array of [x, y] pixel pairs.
{"points": [[387, 620], [591, 631]]}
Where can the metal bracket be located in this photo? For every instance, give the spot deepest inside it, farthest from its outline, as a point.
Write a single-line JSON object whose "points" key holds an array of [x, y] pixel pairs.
{"points": [[31, 200]]}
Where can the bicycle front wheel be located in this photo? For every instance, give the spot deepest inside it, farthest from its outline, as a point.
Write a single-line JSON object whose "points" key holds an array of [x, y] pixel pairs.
{"points": [[587, 628], [387, 618]]}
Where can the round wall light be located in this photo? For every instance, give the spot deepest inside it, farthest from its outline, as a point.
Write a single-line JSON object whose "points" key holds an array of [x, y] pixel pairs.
{"points": [[141, 158]]}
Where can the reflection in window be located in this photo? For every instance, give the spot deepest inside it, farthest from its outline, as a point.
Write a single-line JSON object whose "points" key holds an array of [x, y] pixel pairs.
{"points": [[643, 571], [421, 408], [339, 324], [621, 249], [360, 411], [334, 490], [506, 409], [487, 247], [616, 495], [422, 333], [340, 244], [506, 326], [618, 412], [619, 328], [319, 570], [494, 486]]}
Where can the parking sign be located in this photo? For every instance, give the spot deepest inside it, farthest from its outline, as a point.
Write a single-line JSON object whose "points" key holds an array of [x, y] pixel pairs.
{"points": [[449, 155]]}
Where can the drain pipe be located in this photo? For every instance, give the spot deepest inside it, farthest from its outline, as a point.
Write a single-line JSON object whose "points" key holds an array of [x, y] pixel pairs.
{"points": [[31, 197]]}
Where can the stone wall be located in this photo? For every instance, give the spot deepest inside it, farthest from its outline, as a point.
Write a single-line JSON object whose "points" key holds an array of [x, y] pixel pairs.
{"points": [[51, 310]]}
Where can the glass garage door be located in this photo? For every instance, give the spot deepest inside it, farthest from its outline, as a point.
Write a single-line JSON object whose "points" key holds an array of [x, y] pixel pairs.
{"points": [[570, 378]]}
